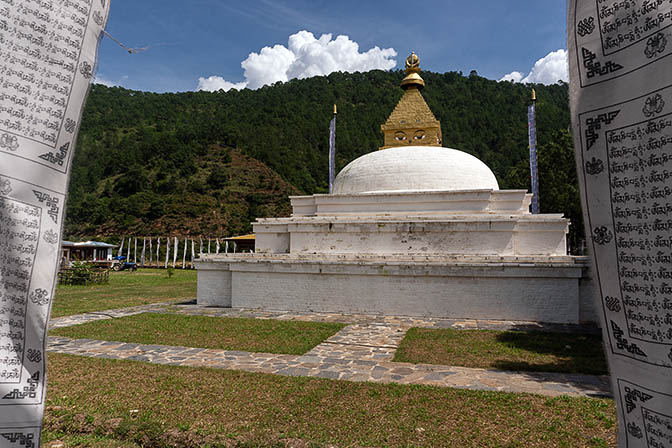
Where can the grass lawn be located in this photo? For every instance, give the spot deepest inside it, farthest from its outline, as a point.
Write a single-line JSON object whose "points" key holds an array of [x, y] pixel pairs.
{"points": [[250, 335], [505, 350], [125, 289], [90, 400]]}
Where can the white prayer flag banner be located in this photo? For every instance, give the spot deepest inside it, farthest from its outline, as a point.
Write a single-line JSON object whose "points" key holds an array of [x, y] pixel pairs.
{"points": [[534, 170], [158, 250], [193, 253], [621, 98], [332, 152], [167, 252], [48, 53], [175, 251], [184, 254]]}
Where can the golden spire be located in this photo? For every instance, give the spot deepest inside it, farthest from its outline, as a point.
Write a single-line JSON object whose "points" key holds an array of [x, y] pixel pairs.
{"points": [[412, 122], [412, 78], [534, 95]]}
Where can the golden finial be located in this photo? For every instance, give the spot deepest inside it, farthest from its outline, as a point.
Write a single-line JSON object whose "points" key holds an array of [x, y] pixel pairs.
{"points": [[412, 78], [412, 63], [534, 95], [335, 111]]}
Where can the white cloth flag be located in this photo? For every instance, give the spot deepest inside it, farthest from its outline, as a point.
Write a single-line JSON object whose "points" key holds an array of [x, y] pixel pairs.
{"points": [[620, 57], [184, 254], [121, 247], [158, 251], [208, 246], [175, 251], [217, 246], [135, 250], [142, 255], [200, 247], [46, 65], [167, 252], [332, 152], [193, 254], [150, 251], [128, 250]]}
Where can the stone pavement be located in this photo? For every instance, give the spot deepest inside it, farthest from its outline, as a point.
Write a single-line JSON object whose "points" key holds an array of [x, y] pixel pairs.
{"points": [[362, 351], [76, 319]]}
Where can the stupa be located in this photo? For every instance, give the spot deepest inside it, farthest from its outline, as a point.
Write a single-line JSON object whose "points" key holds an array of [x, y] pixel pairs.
{"points": [[413, 229]]}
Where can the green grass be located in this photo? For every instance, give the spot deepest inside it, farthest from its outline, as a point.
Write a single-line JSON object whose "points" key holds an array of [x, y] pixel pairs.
{"points": [[194, 407], [87, 440], [505, 350], [250, 335], [125, 289]]}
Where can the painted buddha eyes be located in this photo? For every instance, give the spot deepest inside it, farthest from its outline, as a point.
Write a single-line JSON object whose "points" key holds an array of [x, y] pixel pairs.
{"points": [[401, 136], [418, 135]]}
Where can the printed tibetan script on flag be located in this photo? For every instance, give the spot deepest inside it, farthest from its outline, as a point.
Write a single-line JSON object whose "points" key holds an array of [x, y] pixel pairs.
{"points": [[47, 60], [621, 96]]}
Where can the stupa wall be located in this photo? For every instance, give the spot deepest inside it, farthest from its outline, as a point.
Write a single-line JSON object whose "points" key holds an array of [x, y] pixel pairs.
{"points": [[548, 292], [473, 235], [427, 202]]}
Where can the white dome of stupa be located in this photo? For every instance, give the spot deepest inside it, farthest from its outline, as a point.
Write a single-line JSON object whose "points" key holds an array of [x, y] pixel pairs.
{"points": [[415, 168]]}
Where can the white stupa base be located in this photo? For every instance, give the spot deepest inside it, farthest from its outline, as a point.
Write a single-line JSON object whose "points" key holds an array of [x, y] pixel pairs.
{"points": [[550, 290], [475, 254]]}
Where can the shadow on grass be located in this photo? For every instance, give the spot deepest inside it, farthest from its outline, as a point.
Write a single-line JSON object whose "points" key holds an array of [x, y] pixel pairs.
{"points": [[571, 352]]}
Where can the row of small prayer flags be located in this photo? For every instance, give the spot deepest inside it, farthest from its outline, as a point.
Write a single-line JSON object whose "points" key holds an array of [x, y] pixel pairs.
{"points": [[151, 249]]}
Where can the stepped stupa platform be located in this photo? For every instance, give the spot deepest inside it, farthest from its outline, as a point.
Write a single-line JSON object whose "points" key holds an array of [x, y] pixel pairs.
{"points": [[412, 229]]}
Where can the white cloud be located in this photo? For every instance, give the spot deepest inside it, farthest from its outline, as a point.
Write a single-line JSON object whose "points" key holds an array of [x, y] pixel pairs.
{"points": [[547, 70], [104, 81], [513, 76], [99, 79], [268, 66], [215, 83], [304, 56]]}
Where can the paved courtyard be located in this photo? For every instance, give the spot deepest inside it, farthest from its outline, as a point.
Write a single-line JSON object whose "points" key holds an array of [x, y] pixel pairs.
{"points": [[362, 351]]}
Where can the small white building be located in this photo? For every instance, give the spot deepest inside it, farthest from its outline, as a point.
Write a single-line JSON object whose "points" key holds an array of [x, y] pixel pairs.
{"points": [[86, 251]]}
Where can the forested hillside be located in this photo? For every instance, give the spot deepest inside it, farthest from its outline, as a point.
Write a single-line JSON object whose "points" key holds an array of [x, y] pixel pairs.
{"points": [[200, 162]]}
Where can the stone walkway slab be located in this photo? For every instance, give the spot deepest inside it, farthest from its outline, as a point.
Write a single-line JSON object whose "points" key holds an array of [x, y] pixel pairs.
{"points": [[401, 321], [76, 319], [312, 365], [362, 351], [362, 341]]}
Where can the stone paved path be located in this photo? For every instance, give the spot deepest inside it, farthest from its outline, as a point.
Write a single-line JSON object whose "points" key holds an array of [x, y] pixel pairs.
{"points": [[76, 319], [362, 351]]}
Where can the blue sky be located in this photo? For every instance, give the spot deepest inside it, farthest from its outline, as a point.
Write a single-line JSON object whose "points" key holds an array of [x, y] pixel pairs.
{"points": [[192, 39]]}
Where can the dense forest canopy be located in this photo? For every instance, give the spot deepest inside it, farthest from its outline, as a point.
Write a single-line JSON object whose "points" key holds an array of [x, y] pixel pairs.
{"points": [[208, 163]]}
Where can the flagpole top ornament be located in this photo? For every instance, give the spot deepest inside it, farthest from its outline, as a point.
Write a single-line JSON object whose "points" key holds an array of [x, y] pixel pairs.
{"points": [[534, 95], [335, 110], [412, 79]]}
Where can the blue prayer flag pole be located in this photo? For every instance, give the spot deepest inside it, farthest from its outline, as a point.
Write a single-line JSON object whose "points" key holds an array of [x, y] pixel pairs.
{"points": [[532, 134], [332, 152]]}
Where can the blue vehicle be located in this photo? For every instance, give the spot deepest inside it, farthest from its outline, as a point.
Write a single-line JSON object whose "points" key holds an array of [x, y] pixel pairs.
{"points": [[119, 264]]}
